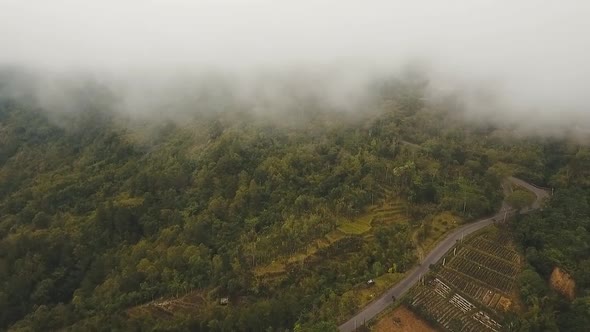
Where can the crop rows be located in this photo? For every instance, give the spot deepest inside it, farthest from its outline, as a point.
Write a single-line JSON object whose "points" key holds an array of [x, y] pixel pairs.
{"points": [[462, 303], [465, 285], [440, 287], [484, 295], [471, 291], [445, 309], [485, 275], [491, 262], [494, 249], [487, 321], [437, 307]]}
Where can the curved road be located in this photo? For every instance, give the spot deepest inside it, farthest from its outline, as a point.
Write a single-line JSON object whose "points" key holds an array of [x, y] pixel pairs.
{"points": [[445, 245]]}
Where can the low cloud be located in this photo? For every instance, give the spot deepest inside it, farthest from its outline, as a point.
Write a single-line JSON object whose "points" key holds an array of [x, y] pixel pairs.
{"points": [[520, 63]]}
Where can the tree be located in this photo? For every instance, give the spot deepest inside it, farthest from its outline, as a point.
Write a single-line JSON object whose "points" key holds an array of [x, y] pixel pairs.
{"points": [[531, 285]]}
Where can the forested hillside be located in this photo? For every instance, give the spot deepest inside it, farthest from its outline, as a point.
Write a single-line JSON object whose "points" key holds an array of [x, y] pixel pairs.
{"points": [[100, 213], [558, 237]]}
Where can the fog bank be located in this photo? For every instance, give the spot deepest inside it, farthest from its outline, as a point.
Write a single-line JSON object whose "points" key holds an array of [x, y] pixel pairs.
{"points": [[519, 62]]}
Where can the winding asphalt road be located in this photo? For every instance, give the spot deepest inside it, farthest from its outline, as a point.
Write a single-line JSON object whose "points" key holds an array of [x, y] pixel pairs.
{"points": [[445, 245]]}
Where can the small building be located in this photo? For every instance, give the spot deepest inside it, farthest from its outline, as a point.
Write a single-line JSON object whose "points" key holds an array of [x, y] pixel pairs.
{"points": [[371, 282], [224, 301]]}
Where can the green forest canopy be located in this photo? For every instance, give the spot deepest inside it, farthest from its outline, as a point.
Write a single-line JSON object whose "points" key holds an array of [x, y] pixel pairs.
{"points": [[99, 214]]}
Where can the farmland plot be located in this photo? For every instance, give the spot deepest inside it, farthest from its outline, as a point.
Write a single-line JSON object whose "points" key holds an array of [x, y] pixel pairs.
{"points": [[473, 289], [492, 262], [449, 309], [479, 272], [495, 249]]}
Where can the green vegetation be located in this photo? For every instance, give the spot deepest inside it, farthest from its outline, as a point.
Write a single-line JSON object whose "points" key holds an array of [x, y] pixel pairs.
{"points": [[357, 227], [433, 229], [520, 198], [101, 215], [557, 237]]}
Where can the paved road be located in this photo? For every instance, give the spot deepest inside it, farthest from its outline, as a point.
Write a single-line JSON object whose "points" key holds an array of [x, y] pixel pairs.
{"points": [[541, 193], [445, 245]]}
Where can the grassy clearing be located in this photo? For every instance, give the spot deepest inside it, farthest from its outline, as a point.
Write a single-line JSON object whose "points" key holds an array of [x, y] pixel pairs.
{"points": [[358, 226], [334, 236], [442, 224], [522, 190], [520, 197], [275, 267], [366, 294]]}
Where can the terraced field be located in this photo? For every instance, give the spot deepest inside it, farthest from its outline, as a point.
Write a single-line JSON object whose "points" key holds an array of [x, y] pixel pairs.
{"points": [[387, 212], [472, 287]]}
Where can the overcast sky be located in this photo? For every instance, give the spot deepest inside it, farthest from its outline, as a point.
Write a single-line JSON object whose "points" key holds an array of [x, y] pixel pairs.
{"points": [[535, 53]]}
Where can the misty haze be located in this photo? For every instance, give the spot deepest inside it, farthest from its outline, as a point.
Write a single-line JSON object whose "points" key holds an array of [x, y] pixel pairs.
{"points": [[294, 165], [530, 60]]}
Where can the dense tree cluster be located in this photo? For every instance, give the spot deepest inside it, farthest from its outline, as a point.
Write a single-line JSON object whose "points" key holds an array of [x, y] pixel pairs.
{"points": [[99, 214], [558, 236]]}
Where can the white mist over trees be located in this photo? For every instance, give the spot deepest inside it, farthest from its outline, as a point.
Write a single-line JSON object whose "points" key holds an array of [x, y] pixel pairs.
{"points": [[520, 63]]}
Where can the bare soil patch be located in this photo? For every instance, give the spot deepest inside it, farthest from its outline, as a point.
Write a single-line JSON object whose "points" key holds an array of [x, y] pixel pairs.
{"points": [[402, 320], [563, 283]]}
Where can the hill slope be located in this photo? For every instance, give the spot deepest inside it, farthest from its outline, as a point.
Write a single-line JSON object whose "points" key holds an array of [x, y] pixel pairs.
{"points": [[101, 213]]}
